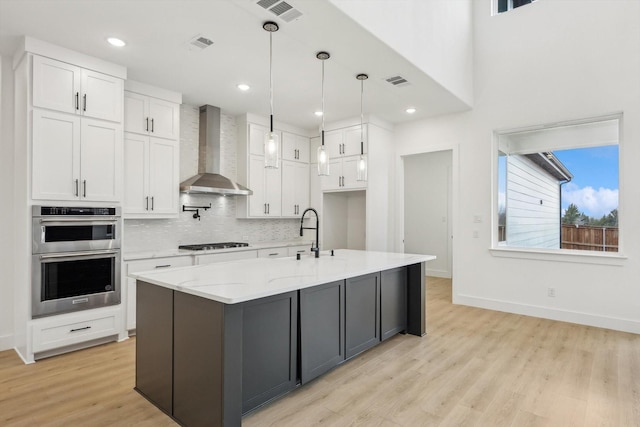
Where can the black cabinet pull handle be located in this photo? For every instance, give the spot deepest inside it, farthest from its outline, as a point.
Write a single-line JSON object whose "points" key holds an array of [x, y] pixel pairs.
{"points": [[77, 188], [147, 120], [80, 329], [77, 102], [163, 266], [152, 203], [151, 125], [146, 208], [84, 102], [84, 189]]}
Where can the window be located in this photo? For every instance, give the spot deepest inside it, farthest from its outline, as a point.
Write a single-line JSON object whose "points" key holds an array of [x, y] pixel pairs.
{"points": [[557, 186], [506, 5]]}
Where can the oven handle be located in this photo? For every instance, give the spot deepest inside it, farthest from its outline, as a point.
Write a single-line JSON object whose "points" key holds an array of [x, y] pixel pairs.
{"points": [[79, 254], [109, 220]]}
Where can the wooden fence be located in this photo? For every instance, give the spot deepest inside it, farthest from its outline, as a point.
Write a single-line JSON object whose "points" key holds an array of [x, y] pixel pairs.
{"points": [[590, 238], [583, 237]]}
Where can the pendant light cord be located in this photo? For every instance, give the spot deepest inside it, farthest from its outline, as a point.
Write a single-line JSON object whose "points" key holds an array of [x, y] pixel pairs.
{"points": [[271, 78], [361, 118], [322, 102]]}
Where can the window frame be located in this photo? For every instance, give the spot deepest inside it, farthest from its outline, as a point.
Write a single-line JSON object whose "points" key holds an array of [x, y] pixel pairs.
{"points": [[499, 249]]}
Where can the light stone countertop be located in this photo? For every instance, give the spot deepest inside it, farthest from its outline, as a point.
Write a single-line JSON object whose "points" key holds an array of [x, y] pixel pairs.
{"points": [[245, 280], [163, 253]]}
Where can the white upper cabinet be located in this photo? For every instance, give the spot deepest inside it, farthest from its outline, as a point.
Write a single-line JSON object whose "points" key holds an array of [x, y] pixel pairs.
{"points": [[70, 89], [295, 188], [345, 142], [256, 139], [75, 159], [266, 199], [152, 152], [151, 171], [295, 147], [151, 116]]}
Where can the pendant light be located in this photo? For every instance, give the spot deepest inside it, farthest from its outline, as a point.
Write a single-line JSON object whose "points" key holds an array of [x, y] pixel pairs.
{"points": [[271, 138], [323, 155], [361, 173]]}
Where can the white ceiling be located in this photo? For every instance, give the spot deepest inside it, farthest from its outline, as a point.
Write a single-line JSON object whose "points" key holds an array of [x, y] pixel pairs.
{"points": [[157, 32]]}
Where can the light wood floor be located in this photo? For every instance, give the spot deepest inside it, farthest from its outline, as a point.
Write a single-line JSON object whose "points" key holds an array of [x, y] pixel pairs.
{"points": [[474, 368]]}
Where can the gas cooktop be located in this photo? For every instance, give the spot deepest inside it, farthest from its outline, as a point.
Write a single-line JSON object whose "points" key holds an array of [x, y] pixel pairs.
{"points": [[208, 246]]}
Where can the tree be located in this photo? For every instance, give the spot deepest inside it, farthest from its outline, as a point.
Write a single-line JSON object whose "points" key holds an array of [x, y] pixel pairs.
{"points": [[571, 215]]}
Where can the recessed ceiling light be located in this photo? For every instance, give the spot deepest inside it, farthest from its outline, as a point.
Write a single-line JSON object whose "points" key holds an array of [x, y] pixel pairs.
{"points": [[318, 113], [243, 87], [116, 42], [410, 110]]}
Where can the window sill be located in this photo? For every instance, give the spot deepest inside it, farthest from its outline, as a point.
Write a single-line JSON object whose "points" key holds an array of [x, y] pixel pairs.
{"points": [[566, 255]]}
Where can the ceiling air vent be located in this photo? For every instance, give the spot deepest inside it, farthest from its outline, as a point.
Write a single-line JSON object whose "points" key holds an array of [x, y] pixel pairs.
{"points": [[397, 81], [281, 9], [199, 42]]}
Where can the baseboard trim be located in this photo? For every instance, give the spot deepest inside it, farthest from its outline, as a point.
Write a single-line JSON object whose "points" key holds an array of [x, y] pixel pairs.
{"points": [[438, 273], [587, 319]]}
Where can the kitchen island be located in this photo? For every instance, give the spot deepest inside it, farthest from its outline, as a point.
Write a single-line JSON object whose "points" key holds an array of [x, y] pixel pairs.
{"points": [[217, 341]]}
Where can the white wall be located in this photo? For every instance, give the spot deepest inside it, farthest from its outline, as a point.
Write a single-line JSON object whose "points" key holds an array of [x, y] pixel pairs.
{"points": [[6, 207], [532, 205], [344, 225], [426, 208], [546, 62], [436, 36]]}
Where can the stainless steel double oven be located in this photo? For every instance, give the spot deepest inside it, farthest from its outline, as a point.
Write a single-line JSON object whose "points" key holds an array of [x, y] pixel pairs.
{"points": [[75, 258]]}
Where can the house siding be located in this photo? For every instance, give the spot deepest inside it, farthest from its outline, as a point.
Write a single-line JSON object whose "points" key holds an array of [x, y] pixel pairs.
{"points": [[532, 205]]}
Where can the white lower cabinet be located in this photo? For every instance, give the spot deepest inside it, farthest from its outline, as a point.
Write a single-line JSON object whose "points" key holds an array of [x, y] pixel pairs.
{"points": [[225, 256], [54, 332], [151, 177], [146, 265], [273, 253], [302, 250]]}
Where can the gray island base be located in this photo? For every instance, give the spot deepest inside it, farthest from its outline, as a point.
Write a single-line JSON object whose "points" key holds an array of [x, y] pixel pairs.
{"points": [[208, 353]]}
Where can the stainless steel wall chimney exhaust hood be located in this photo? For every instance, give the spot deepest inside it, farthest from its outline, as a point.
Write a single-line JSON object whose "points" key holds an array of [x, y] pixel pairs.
{"points": [[208, 180]]}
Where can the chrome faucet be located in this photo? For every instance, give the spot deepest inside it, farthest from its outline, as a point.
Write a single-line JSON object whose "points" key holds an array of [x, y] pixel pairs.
{"points": [[315, 249]]}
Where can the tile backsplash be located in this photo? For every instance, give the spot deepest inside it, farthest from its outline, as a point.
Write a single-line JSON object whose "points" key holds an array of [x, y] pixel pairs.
{"points": [[218, 224]]}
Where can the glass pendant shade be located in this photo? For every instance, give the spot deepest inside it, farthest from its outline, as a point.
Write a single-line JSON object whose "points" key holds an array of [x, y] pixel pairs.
{"points": [[323, 161], [361, 173], [271, 150]]}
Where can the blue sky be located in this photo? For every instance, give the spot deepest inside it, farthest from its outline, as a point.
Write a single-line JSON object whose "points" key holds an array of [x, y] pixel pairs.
{"points": [[594, 187]]}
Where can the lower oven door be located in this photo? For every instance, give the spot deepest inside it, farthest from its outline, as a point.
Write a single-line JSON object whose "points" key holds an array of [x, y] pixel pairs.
{"points": [[72, 281]]}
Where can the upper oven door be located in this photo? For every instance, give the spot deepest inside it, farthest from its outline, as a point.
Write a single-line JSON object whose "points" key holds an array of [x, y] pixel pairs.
{"points": [[68, 234]]}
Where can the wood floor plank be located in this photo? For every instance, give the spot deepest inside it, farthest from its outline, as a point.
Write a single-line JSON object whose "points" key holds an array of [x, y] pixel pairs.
{"points": [[474, 368]]}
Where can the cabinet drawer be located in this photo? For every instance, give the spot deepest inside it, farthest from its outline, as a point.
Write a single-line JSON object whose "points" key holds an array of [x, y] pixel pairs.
{"points": [[155, 263], [273, 253], [226, 256], [302, 250], [49, 334]]}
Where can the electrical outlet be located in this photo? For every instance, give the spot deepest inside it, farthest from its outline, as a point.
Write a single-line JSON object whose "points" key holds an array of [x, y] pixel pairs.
{"points": [[476, 234], [477, 218], [551, 292]]}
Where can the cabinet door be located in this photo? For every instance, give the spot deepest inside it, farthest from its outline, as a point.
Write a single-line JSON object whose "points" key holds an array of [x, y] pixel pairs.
{"points": [[257, 203], [289, 185], [362, 296], [273, 191], [393, 302], [334, 180], [136, 113], [314, 143], [102, 96], [256, 139], [56, 155], [321, 329], [303, 148], [269, 348], [289, 146], [56, 85], [352, 140], [350, 173], [163, 176], [301, 187], [333, 141], [100, 160], [136, 173], [164, 119]]}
